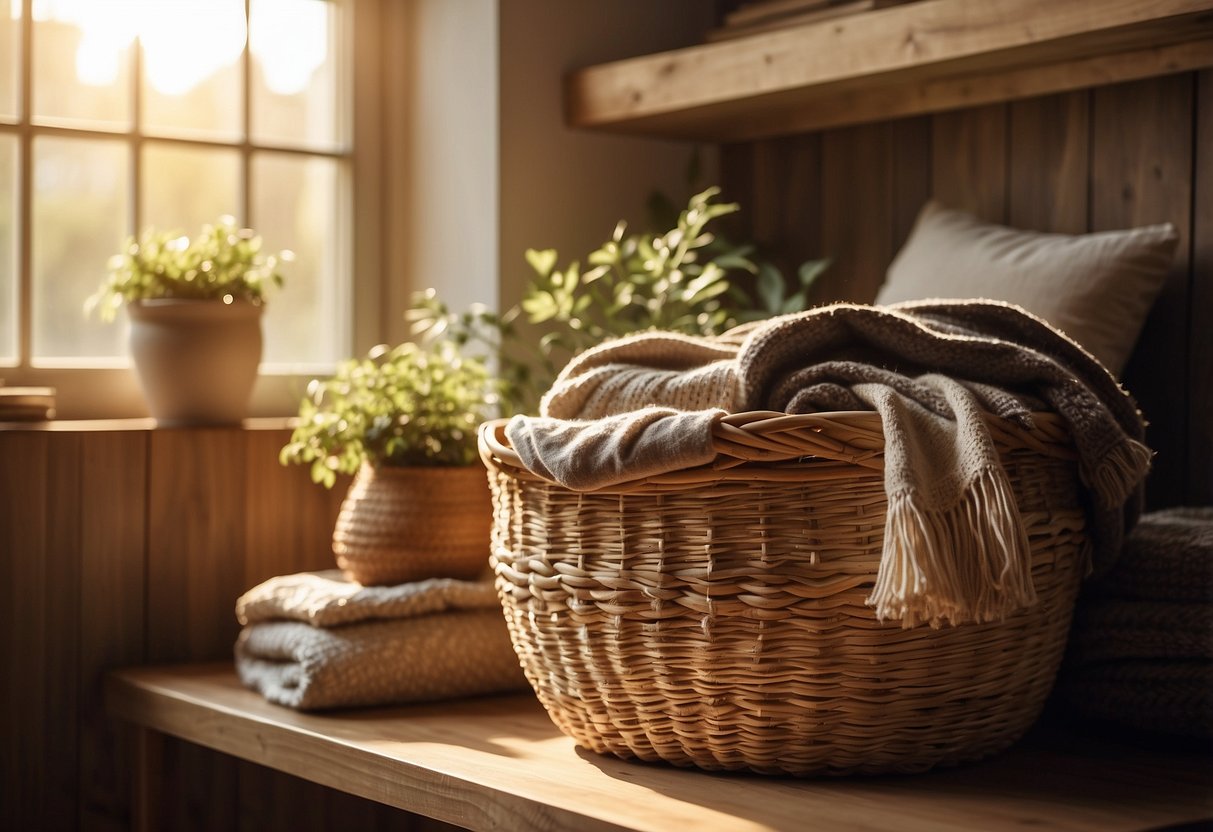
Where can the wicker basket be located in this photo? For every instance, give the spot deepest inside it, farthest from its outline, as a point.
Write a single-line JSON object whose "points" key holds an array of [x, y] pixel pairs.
{"points": [[410, 523], [715, 617]]}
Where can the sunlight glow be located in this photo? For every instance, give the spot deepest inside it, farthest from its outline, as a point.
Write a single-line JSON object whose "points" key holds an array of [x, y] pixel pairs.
{"points": [[185, 42], [290, 41]]}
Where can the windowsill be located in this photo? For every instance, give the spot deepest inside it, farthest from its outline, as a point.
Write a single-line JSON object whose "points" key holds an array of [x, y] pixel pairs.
{"points": [[499, 763], [143, 424]]}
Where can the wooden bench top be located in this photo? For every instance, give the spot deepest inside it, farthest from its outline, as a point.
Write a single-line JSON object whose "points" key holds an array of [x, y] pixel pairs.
{"points": [[499, 763]]}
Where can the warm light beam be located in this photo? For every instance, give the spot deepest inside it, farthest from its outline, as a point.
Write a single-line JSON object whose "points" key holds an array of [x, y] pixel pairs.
{"points": [[186, 42]]}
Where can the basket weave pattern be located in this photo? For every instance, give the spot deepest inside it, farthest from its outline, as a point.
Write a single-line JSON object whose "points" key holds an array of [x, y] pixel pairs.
{"points": [[400, 524], [715, 617]]}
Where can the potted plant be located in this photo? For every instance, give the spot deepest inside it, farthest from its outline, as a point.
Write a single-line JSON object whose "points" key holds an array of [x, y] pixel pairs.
{"points": [[195, 309], [403, 420], [688, 279]]}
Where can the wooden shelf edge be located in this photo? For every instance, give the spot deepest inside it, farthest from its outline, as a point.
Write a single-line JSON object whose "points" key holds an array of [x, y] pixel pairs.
{"points": [[293, 743], [499, 763], [923, 57]]}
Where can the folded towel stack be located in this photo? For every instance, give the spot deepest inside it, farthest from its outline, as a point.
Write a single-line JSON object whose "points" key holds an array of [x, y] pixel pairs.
{"points": [[316, 640], [1141, 651]]}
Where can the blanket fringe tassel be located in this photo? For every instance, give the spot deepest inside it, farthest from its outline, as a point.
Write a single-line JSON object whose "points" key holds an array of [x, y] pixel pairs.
{"points": [[1119, 472], [969, 562]]}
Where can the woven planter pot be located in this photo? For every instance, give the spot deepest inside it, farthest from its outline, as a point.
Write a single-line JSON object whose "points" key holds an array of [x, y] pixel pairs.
{"points": [[400, 524], [715, 617]]}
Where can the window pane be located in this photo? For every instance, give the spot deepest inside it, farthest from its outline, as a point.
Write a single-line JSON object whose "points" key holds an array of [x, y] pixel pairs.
{"points": [[82, 62], [10, 55], [185, 187], [297, 68], [79, 220], [8, 248], [296, 205], [192, 85]]}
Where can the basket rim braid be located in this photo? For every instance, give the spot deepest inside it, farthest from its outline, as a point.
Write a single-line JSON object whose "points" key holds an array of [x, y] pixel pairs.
{"points": [[716, 617], [851, 436]]}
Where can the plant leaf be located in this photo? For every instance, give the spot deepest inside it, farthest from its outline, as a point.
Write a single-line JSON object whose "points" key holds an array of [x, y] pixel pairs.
{"points": [[811, 270], [542, 261], [770, 287]]}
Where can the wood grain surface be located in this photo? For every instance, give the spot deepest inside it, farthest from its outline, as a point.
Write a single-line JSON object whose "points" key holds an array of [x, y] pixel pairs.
{"points": [[498, 763], [1141, 173], [117, 543], [1113, 157], [923, 57]]}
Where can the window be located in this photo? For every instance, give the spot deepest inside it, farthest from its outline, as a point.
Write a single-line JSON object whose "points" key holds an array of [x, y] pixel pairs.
{"points": [[122, 114]]}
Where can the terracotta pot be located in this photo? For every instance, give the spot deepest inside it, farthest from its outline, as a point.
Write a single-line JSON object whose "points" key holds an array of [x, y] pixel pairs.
{"points": [[196, 359], [400, 524]]}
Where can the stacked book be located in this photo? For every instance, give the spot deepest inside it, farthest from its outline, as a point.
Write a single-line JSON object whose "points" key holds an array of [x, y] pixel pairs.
{"points": [[26, 404], [759, 16]]}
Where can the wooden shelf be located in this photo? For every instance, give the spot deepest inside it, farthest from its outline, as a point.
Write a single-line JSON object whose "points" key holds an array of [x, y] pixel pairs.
{"points": [[922, 57], [499, 763]]}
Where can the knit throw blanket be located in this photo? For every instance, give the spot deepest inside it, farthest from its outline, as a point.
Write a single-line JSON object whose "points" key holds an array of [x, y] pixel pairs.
{"points": [[954, 546], [316, 640]]}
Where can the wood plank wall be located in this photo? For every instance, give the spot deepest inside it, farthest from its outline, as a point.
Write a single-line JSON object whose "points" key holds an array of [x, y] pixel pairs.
{"points": [[1111, 157], [130, 546], [124, 547]]}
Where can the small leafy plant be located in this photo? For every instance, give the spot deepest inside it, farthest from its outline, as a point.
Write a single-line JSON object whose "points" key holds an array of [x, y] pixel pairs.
{"points": [[688, 280], [223, 262], [407, 405]]}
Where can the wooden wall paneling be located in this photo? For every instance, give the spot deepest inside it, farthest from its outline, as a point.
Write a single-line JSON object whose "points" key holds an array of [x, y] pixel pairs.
{"points": [[270, 800], [778, 184], [767, 179], [196, 533], [1200, 306], [289, 528], [1141, 173], [857, 212], [195, 789], [289, 519], [110, 564], [737, 185], [910, 145], [197, 496], [801, 204], [23, 647], [1049, 163], [64, 696], [969, 160]]}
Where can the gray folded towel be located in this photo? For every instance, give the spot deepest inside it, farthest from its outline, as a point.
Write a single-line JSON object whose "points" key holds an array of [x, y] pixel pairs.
{"points": [[316, 640]]}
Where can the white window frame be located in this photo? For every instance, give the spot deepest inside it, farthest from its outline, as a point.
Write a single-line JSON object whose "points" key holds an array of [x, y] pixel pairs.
{"points": [[107, 388]]}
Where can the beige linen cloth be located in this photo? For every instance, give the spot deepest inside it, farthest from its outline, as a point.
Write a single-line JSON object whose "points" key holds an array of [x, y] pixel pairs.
{"points": [[315, 640], [954, 544]]}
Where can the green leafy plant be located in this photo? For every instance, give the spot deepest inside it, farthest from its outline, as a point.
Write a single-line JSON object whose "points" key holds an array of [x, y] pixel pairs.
{"points": [[688, 279], [408, 405], [223, 262]]}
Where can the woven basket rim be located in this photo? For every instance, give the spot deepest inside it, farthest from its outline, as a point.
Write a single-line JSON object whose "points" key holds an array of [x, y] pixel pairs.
{"points": [[404, 471], [853, 437]]}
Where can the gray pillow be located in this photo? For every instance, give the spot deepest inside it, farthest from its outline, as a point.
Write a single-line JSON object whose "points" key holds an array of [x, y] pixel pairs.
{"points": [[1097, 288]]}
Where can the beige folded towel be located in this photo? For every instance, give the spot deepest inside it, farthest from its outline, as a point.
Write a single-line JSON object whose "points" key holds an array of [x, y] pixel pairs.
{"points": [[316, 640]]}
